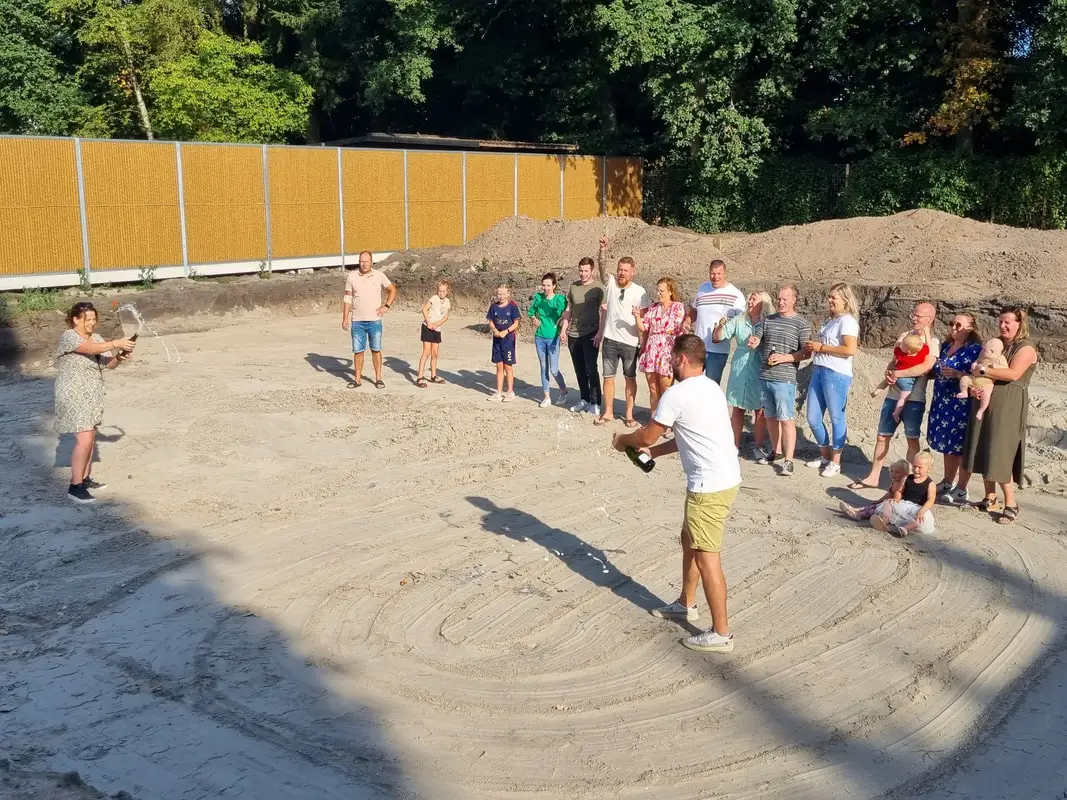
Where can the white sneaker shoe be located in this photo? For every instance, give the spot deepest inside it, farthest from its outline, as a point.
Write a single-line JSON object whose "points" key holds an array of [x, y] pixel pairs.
{"points": [[579, 407], [816, 463], [710, 642], [676, 611], [508, 398], [594, 410], [830, 470], [545, 403], [957, 497], [495, 397], [563, 399]]}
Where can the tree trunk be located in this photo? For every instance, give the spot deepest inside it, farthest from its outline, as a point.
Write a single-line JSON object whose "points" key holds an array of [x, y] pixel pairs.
{"points": [[142, 107]]}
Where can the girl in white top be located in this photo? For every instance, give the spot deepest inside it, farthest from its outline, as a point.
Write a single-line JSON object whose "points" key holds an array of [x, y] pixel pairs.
{"points": [[434, 315], [831, 377]]}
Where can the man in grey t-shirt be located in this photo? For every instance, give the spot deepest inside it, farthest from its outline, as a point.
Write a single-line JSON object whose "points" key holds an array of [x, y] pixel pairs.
{"points": [[578, 330], [781, 350]]}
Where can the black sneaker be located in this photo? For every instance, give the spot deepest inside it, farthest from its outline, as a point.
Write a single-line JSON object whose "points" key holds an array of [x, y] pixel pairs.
{"points": [[766, 458], [79, 494], [786, 470], [96, 486]]}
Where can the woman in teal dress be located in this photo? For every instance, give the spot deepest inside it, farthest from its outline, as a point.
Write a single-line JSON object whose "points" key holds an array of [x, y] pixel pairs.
{"points": [[742, 386]]}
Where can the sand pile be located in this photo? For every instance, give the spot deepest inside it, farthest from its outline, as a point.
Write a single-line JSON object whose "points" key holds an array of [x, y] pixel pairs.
{"points": [[959, 257]]}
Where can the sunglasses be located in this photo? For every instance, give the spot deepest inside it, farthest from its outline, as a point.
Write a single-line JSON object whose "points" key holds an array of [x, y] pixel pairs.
{"points": [[622, 295]]}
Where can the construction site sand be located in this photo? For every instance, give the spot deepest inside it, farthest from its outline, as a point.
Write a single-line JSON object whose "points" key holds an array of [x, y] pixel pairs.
{"points": [[957, 257], [298, 590]]}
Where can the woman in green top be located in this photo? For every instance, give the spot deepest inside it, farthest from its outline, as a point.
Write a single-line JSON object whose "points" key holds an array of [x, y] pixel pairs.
{"points": [[743, 388], [547, 308]]}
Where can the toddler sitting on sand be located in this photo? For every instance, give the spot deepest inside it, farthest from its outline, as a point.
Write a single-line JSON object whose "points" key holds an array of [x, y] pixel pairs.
{"points": [[910, 352], [977, 384]]}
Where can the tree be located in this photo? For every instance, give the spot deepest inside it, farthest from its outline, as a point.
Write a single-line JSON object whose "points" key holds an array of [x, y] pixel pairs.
{"points": [[39, 93], [226, 92]]}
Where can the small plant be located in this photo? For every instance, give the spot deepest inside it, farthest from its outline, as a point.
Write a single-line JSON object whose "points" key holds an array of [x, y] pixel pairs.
{"points": [[483, 267], [410, 264], [194, 274], [38, 300], [146, 276], [85, 285], [5, 313], [264, 271]]}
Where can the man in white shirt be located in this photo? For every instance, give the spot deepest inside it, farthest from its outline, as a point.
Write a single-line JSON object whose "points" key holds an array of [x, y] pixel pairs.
{"points": [[695, 407], [618, 338], [716, 299]]}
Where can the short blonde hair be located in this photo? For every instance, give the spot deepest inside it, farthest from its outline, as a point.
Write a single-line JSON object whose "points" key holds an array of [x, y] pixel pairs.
{"points": [[924, 457], [900, 466], [446, 283], [766, 304], [912, 343], [844, 291]]}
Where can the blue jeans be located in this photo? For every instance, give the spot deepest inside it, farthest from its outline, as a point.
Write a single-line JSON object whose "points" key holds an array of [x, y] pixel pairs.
{"points": [[364, 331], [828, 391], [714, 364], [548, 355], [779, 399]]}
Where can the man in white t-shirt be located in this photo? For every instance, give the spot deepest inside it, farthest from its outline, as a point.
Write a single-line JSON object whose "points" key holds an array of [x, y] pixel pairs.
{"points": [[618, 337], [695, 407], [716, 299]]}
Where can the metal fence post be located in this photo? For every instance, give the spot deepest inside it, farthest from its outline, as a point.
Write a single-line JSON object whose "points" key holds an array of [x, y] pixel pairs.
{"points": [[562, 169], [266, 206], [515, 185], [407, 212], [603, 186], [464, 197], [81, 206], [181, 208], [341, 202]]}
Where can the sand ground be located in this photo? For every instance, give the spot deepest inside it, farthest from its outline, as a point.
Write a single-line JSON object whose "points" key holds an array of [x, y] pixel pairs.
{"points": [[293, 589]]}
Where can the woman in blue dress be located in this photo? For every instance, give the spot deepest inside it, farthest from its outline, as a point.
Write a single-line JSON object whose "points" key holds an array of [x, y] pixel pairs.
{"points": [[946, 428], [743, 388]]}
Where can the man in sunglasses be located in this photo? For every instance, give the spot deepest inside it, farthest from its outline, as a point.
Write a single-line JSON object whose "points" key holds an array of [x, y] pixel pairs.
{"points": [[695, 407], [617, 336]]}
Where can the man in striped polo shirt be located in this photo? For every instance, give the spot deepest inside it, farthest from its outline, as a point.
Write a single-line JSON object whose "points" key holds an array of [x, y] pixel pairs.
{"points": [[716, 299], [781, 349]]}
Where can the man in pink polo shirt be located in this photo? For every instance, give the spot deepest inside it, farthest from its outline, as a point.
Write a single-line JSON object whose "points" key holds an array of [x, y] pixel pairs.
{"points": [[362, 314]]}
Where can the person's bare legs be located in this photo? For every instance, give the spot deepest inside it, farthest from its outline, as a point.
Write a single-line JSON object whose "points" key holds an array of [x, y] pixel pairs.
{"points": [[714, 580], [81, 455], [435, 350], [963, 477], [760, 426], [774, 432], [789, 438], [913, 449], [737, 422], [653, 391], [608, 409], [422, 359], [500, 378], [357, 367], [952, 467], [881, 451], [690, 573], [510, 373], [1009, 494], [376, 358], [631, 396]]}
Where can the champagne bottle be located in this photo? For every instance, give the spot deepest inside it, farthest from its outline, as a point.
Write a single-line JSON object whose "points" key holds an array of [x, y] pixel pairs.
{"points": [[642, 460]]}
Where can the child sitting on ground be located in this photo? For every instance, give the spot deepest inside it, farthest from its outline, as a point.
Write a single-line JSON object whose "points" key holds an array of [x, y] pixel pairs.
{"points": [[977, 384], [910, 352], [434, 315], [504, 316], [906, 507]]}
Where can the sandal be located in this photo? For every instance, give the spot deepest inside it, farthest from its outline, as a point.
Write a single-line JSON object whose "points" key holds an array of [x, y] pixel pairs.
{"points": [[379, 384], [437, 379], [603, 421], [631, 423], [1008, 515], [420, 382], [990, 505], [355, 384]]}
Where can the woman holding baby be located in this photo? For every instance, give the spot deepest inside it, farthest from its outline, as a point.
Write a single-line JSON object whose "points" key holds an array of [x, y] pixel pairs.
{"points": [[995, 445], [946, 428]]}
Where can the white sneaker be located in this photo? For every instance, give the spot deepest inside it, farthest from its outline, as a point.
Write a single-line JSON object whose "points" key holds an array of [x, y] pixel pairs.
{"points": [[579, 407], [594, 410], [830, 470], [507, 398], [816, 463], [676, 611], [563, 398], [495, 397], [957, 497], [710, 642], [545, 403]]}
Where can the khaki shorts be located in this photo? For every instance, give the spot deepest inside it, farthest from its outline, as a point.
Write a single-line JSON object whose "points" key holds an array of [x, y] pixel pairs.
{"points": [[705, 518]]}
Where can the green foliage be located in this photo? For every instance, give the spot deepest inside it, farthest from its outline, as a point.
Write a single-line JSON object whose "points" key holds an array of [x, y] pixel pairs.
{"points": [[38, 300], [225, 91], [894, 180], [264, 271], [5, 313], [146, 276], [85, 285]]}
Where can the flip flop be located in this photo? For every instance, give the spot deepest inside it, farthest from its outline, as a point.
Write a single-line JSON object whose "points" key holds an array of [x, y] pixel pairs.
{"points": [[420, 382], [603, 421], [861, 485], [631, 423], [437, 379]]}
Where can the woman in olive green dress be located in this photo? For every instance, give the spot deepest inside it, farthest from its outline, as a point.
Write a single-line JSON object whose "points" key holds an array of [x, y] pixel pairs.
{"points": [[81, 358], [996, 445]]}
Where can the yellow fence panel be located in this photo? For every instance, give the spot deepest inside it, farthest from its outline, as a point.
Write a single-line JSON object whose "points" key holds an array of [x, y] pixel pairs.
{"points": [[305, 213], [225, 214], [435, 199], [374, 200], [625, 177], [131, 202], [539, 186], [490, 191], [581, 187], [40, 226]]}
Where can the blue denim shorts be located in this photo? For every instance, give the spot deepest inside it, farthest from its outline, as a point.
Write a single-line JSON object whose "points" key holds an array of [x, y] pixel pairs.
{"points": [[362, 331], [779, 399], [911, 416]]}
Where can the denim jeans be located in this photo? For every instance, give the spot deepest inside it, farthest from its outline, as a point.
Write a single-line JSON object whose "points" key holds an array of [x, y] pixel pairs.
{"points": [[828, 391], [548, 355]]}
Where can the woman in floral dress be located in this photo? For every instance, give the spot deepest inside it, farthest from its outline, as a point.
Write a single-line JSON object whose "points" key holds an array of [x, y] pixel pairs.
{"points": [[659, 326], [946, 428]]}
